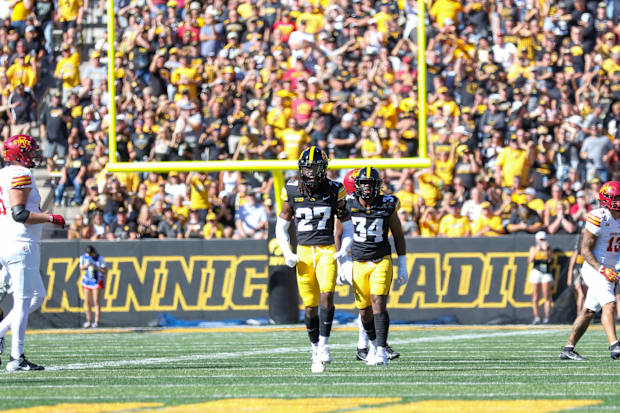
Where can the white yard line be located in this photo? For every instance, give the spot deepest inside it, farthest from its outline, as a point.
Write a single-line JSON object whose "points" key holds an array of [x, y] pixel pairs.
{"points": [[285, 350], [390, 372]]}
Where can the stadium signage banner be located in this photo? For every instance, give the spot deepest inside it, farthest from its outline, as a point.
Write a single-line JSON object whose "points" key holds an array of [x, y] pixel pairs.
{"points": [[469, 280]]}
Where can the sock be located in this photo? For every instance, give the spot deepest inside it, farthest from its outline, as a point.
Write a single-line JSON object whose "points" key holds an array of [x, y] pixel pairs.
{"points": [[18, 325], [614, 344], [362, 337], [569, 347], [323, 341], [312, 324], [326, 315], [371, 332], [382, 325]]}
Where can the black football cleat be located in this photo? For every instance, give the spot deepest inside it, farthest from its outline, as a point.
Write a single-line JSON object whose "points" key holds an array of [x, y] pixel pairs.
{"points": [[569, 353], [22, 364], [615, 351], [391, 354], [362, 354]]}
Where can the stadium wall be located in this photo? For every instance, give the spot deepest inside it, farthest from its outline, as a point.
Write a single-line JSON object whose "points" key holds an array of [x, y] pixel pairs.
{"points": [[464, 280]]}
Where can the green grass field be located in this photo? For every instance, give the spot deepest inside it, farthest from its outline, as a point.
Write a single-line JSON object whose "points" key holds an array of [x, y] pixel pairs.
{"points": [[459, 369]]}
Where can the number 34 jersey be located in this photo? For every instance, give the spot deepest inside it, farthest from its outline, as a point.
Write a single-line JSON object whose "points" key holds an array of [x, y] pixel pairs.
{"points": [[607, 229], [314, 215], [370, 227]]}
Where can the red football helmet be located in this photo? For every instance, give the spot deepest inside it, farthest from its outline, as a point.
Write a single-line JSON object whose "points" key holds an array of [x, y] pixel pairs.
{"points": [[349, 181], [22, 149], [608, 193]]}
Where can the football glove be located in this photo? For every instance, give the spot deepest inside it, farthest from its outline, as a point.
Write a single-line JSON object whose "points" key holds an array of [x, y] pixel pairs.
{"points": [[290, 258], [345, 271], [403, 275], [609, 273], [57, 220]]}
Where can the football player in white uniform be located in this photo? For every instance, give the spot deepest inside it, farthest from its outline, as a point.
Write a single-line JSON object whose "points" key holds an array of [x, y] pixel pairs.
{"points": [[21, 221], [599, 248]]}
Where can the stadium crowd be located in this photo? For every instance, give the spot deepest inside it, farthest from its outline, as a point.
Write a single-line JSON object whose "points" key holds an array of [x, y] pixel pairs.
{"points": [[523, 108]]}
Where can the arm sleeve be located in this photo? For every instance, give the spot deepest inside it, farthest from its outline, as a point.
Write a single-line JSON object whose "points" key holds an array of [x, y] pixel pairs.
{"points": [[347, 235], [282, 236]]}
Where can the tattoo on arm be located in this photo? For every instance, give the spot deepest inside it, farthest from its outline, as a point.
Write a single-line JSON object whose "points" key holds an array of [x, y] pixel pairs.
{"points": [[589, 240]]}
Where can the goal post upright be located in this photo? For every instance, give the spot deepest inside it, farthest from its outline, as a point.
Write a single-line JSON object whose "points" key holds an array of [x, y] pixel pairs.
{"points": [[111, 85]]}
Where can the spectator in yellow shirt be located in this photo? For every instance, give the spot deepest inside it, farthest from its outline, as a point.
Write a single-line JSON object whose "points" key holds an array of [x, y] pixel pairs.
{"points": [[294, 139], [68, 70], [551, 206], [443, 10], [71, 12], [533, 202], [444, 165], [429, 223], [454, 224], [429, 185], [514, 161], [212, 229], [199, 193], [487, 224], [185, 77], [408, 198], [19, 72], [313, 19]]}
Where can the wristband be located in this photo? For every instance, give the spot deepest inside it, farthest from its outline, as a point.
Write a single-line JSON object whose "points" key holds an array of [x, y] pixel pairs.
{"points": [[50, 219]]}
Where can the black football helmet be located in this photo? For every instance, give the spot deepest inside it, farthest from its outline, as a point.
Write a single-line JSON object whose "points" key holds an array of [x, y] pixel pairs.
{"points": [[313, 167], [368, 183]]}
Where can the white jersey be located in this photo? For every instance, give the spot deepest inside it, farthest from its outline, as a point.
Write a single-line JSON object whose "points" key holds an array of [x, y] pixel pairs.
{"points": [[18, 177], [607, 229]]}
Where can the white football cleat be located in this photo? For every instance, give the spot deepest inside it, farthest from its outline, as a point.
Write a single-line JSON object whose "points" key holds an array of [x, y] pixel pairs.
{"points": [[317, 365], [377, 357], [323, 354]]}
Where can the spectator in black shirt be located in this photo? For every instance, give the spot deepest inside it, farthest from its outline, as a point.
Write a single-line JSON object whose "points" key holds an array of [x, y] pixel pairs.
{"points": [[343, 137], [24, 112], [524, 220], [53, 129], [122, 229], [73, 173], [168, 227]]}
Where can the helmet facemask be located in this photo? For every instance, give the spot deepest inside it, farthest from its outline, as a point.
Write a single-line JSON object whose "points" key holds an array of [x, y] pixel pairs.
{"points": [[312, 175], [367, 188]]}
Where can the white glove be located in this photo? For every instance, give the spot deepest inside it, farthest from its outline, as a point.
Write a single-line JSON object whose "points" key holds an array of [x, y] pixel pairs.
{"points": [[403, 275], [290, 258], [340, 254], [345, 271]]}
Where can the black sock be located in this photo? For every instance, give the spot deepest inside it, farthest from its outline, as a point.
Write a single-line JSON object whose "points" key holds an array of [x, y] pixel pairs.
{"points": [[326, 315], [312, 324], [382, 325], [369, 327]]}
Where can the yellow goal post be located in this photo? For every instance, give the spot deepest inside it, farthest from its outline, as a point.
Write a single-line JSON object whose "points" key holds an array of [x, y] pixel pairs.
{"points": [[274, 166]]}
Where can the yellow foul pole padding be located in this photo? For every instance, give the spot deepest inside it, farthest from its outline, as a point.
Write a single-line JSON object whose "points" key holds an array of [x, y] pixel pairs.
{"points": [[421, 79], [111, 85]]}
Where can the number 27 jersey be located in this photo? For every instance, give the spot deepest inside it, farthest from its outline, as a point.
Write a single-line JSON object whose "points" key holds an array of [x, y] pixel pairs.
{"points": [[371, 226], [314, 215]]}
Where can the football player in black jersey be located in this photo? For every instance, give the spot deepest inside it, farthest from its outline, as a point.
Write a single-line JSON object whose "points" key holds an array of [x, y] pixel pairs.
{"points": [[314, 202], [345, 276], [373, 215]]}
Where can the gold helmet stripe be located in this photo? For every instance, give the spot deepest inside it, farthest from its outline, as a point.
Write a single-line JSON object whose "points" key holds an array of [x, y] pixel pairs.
{"points": [[368, 172], [311, 154]]}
